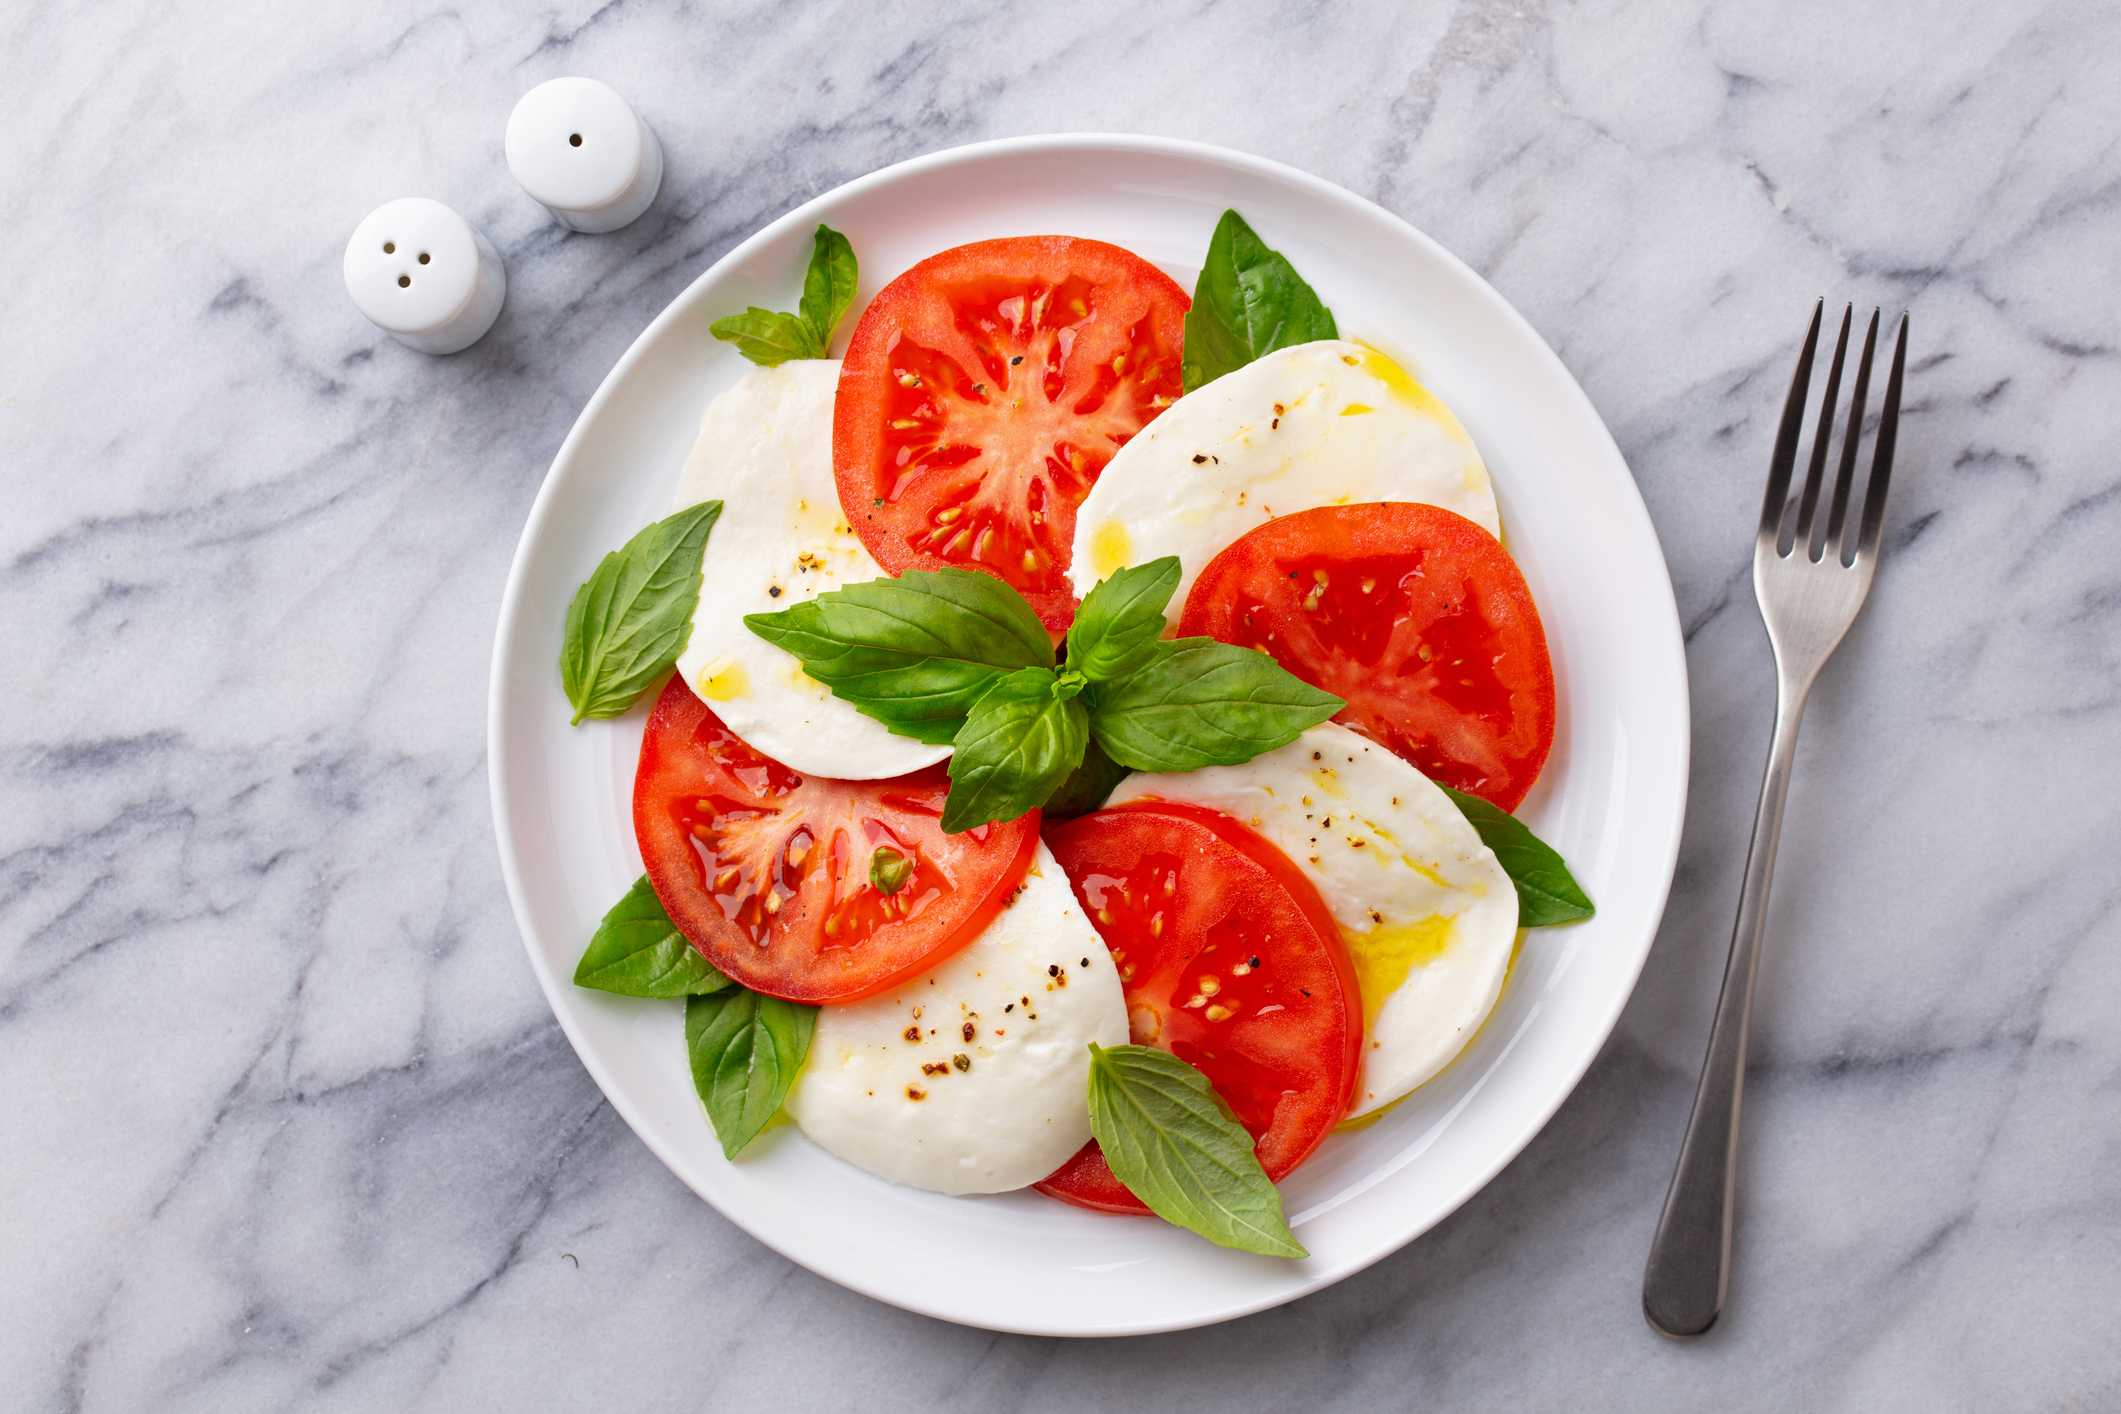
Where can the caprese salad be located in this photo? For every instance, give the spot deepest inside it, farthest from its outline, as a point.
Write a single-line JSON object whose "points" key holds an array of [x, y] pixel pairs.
{"points": [[1086, 725]]}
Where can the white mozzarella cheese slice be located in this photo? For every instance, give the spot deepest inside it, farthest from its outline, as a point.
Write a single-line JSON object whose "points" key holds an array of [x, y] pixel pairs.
{"points": [[765, 451], [1321, 424], [1429, 915], [973, 1078]]}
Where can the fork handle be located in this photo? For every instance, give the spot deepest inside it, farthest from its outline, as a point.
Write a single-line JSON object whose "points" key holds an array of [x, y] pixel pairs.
{"points": [[1690, 1258]]}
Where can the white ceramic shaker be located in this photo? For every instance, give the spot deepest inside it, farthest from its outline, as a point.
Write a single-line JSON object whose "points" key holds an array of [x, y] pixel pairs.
{"points": [[423, 275], [581, 151]]}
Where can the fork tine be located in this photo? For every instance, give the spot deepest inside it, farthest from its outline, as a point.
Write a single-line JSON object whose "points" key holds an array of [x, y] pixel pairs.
{"points": [[1785, 458], [1822, 439], [1837, 515], [1882, 459]]}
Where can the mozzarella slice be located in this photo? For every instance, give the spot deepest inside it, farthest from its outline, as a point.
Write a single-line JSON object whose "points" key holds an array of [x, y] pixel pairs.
{"points": [[765, 450], [1321, 424], [1429, 915], [991, 1092]]}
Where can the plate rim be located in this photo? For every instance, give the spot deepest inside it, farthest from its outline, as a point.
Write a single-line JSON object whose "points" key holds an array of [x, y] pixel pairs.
{"points": [[1669, 823]]}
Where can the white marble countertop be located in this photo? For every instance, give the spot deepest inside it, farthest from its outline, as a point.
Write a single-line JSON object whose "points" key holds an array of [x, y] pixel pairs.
{"points": [[288, 1124]]}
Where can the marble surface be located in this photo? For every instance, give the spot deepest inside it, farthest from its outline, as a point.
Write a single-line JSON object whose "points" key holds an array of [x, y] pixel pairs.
{"points": [[287, 1123]]}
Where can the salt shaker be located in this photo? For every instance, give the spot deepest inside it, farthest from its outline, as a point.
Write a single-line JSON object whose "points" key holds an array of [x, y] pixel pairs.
{"points": [[581, 151], [423, 275]]}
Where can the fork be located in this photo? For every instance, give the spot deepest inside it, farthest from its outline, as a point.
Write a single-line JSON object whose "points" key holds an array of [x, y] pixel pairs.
{"points": [[1810, 576]]}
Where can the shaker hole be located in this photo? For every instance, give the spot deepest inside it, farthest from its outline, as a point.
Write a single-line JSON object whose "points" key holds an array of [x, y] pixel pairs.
{"points": [[390, 247], [574, 139], [423, 257], [404, 280]]}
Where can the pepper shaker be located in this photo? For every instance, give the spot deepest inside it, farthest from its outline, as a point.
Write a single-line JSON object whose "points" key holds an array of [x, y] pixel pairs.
{"points": [[423, 275], [583, 153]]}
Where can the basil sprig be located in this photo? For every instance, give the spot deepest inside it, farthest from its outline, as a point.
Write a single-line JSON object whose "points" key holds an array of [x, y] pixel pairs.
{"points": [[953, 656], [632, 618], [1166, 1137], [746, 1049], [770, 338], [1249, 301], [1546, 891], [638, 952]]}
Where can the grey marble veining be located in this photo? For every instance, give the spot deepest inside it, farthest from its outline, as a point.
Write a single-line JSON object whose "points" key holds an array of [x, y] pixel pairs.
{"points": [[287, 1124]]}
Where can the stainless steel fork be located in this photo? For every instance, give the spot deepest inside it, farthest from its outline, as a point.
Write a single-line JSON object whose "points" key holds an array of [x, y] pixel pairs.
{"points": [[1810, 576]]}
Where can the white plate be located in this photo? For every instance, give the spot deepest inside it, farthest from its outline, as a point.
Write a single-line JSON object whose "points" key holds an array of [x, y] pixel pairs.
{"points": [[1610, 801]]}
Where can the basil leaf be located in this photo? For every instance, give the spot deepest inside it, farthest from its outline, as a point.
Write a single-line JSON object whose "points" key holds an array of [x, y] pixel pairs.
{"points": [[828, 285], [769, 338], [1088, 788], [915, 652], [766, 338], [629, 622], [1025, 737], [1117, 627], [746, 1049], [1546, 891], [1168, 1140], [1202, 703], [638, 952], [1249, 301]]}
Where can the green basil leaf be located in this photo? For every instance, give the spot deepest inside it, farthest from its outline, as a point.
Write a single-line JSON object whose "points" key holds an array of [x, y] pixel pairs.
{"points": [[1168, 1140], [1202, 703], [1022, 739], [1249, 301], [632, 618], [915, 652], [1088, 788], [766, 338], [828, 285], [1116, 629], [746, 1050], [638, 952], [1546, 891]]}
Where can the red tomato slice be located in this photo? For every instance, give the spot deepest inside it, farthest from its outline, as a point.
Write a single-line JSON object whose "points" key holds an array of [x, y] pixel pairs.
{"points": [[1416, 616], [1230, 962], [982, 393], [767, 871]]}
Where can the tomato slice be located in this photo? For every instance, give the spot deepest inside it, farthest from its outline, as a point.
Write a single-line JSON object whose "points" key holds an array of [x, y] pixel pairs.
{"points": [[1416, 616], [982, 393], [1230, 962], [767, 871]]}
